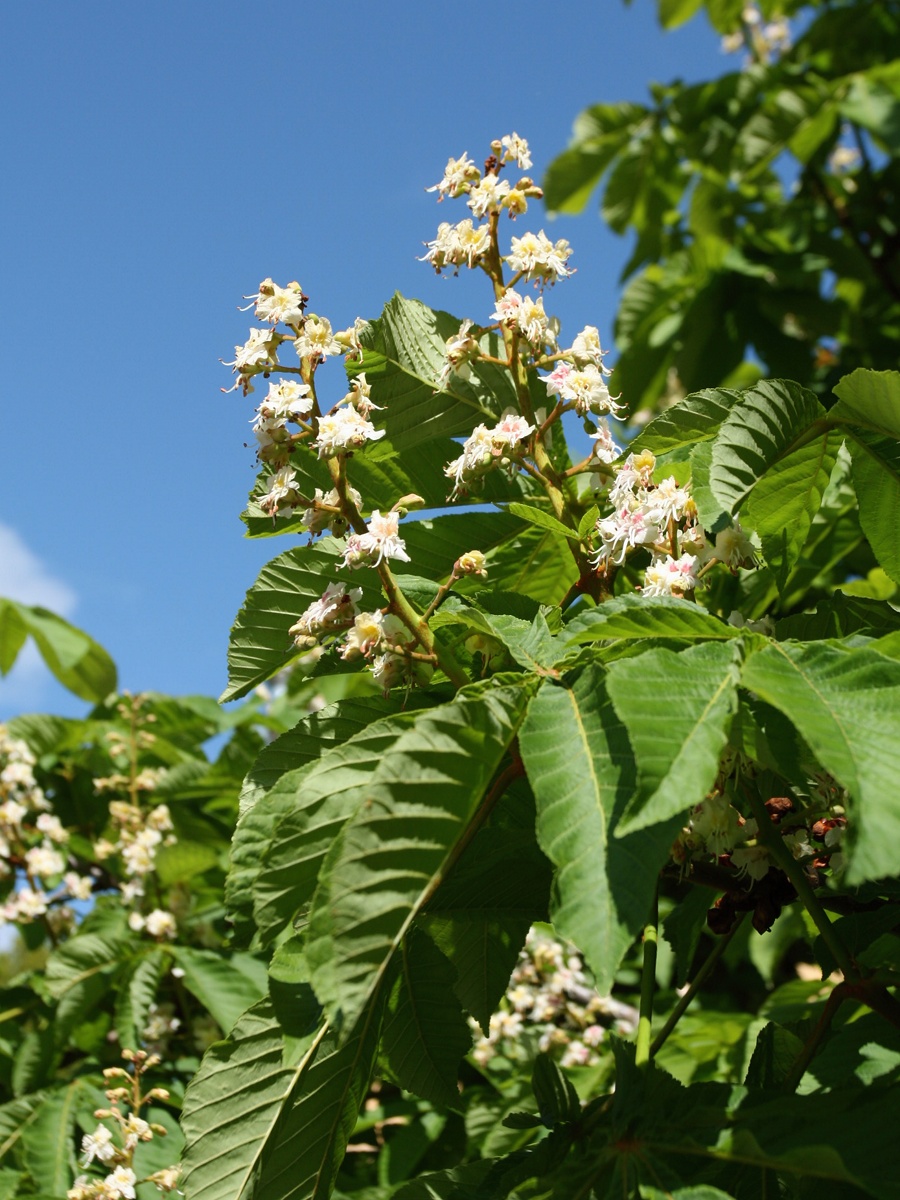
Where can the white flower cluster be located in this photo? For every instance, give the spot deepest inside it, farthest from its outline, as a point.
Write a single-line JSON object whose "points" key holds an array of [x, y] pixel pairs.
{"points": [[486, 449], [551, 996], [765, 39], [113, 1149], [33, 841], [380, 541], [662, 518]]}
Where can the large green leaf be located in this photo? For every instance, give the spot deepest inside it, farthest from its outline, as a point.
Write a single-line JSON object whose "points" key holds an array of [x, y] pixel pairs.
{"points": [[260, 644], [403, 358], [79, 972], [261, 1124], [317, 800], [77, 661], [677, 708], [869, 400], [757, 432], [847, 708], [535, 563], [600, 133], [782, 505], [425, 802], [425, 1033], [876, 478], [581, 769], [434, 545]]}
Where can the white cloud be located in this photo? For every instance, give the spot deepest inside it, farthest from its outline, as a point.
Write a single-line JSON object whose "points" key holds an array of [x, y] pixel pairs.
{"points": [[24, 577]]}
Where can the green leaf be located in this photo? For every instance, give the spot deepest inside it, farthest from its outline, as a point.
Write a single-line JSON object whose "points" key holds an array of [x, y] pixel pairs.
{"points": [[404, 357], [847, 708], [544, 520], [694, 419], [226, 985], [600, 133], [869, 400], [876, 479], [33, 1061], [782, 505], [557, 1100], [661, 617], [533, 563], [425, 1034], [293, 1000], [135, 996], [588, 522], [79, 972], [260, 645], [758, 431], [258, 1127], [390, 857], [316, 802], [580, 766], [77, 661], [773, 1056], [48, 1137], [712, 515], [677, 709], [675, 12]]}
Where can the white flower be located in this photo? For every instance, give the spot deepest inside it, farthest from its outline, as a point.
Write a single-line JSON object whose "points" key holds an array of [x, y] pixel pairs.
{"points": [[334, 609], [666, 502], [487, 195], [586, 349], [324, 512], [12, 813], [586, 388], [44, 861], [718, 823], [458, 244], [29, 905], [539, 258], [136, 1129], [120, 1184], [486, 448], [52, 828], [257, 352], [605, 449], [342, 430], [316, 339], [381, 540], [751, 860], [621, 532], [287, 400], [160, 818], [515, 149], [350, 339], [365, 636], [79, 887], [360, 395], [99, 1145], [136, 922], [671, 576], [160, 923], [508, 306], [734, 548], [458, 174], [459, 351], [533, 323], [274, 303], [632, 477], [282, 490]]}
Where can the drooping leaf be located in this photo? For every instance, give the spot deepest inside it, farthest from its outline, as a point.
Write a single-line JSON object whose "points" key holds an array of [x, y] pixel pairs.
{"points": [[580, 767], [425, 801], [677, 709], [260, 1127], [846, 706], [543, 520]]}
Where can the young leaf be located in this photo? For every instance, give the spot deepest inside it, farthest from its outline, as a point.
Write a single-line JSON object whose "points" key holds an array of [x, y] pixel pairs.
{"points": [[425, 802], [557, 1099], [544, 520], [847, 708], [677, 709]]}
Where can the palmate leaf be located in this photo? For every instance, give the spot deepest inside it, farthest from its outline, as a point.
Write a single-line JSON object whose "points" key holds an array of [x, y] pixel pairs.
{"points": [[846, 706], [77, 661], [677, 708], [261, 1125], [316, 801], [425, 1033], [403, 358], [758, 431], [260, 644], [581, 769], [424, 803]]}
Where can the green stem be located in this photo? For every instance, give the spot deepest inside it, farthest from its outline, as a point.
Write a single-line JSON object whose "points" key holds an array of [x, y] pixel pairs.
{"points": [[696, 984], [771, 838], [811, 1045], [648, 984]]}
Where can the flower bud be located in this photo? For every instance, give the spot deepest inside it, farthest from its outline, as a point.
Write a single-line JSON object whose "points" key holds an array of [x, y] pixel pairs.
{"points": [[471, 563]]}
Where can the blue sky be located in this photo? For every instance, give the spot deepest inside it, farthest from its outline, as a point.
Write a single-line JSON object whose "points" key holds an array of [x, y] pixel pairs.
{"points": [[160, 159]]}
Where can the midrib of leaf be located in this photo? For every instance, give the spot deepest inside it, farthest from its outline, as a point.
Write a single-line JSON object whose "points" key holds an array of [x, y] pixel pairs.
{"points": [[62, 1136]]}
